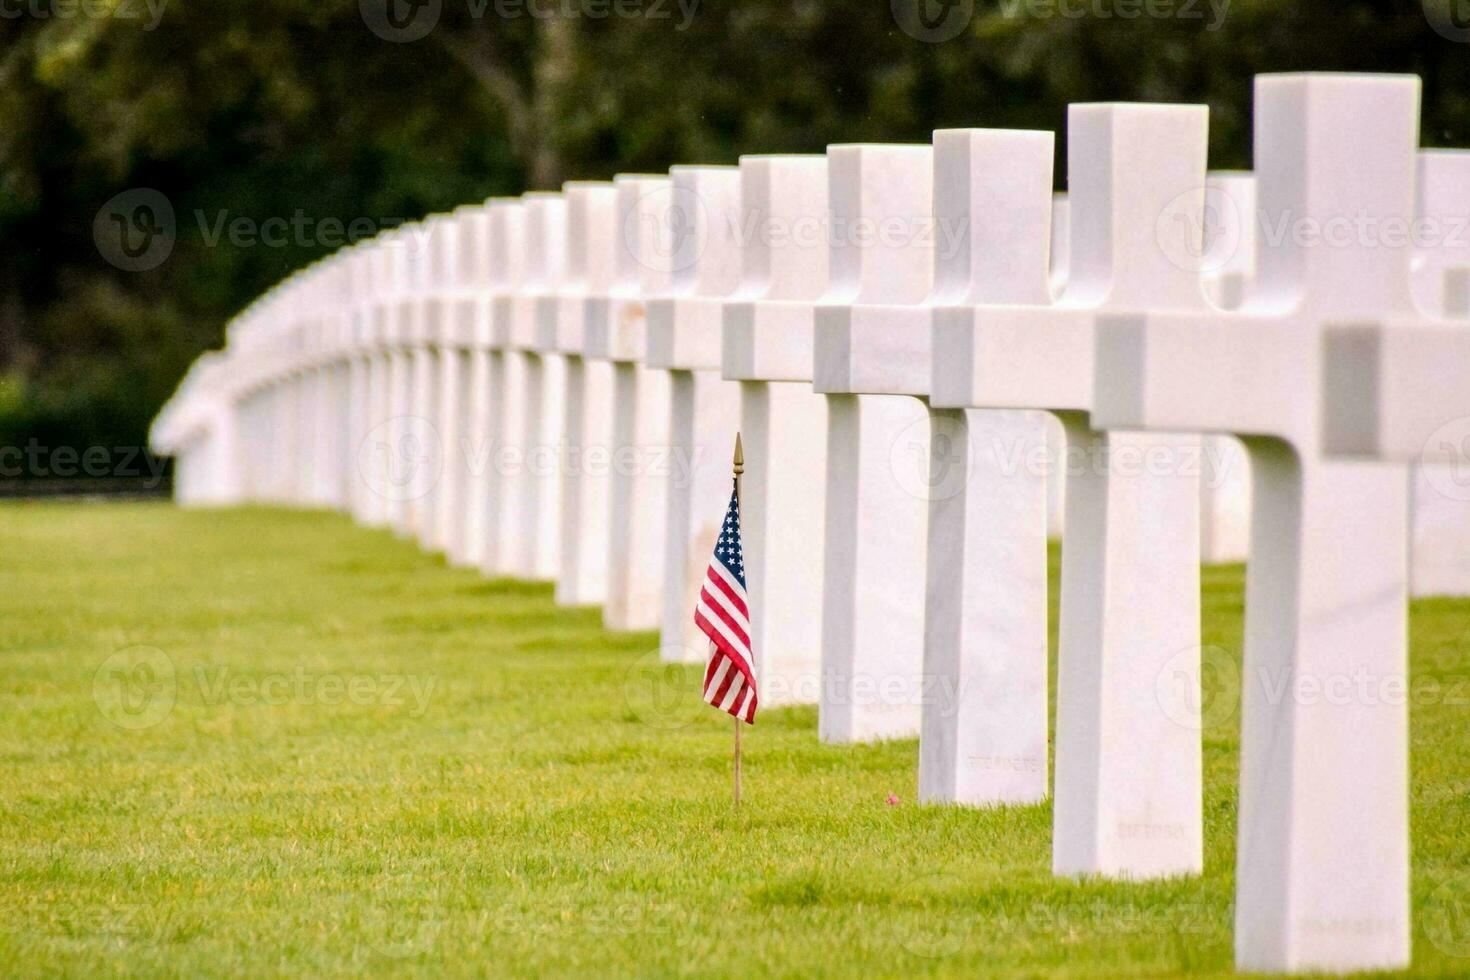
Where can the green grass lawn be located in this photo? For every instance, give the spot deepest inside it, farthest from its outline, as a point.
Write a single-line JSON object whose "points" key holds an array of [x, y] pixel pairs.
{"points": [[270, 743]]}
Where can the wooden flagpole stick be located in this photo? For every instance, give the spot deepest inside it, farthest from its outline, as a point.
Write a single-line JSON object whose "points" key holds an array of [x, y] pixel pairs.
{"points": [[737, 763], [739, 469]]}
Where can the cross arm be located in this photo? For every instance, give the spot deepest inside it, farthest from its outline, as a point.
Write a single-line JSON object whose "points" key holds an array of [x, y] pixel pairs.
{"points": [[1206, 372], [872, 350], [1397, 392], [1003, 356]]}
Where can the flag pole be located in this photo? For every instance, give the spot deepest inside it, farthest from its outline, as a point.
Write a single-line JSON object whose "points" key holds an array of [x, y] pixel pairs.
{"points": [[739, 469]]}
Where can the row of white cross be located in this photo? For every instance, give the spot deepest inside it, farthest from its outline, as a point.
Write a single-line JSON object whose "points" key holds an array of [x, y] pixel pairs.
{"points": [[549, 386]]}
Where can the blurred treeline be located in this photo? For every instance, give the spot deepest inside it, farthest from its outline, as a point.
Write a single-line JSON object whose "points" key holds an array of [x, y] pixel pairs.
{"points": [[261, 109]]}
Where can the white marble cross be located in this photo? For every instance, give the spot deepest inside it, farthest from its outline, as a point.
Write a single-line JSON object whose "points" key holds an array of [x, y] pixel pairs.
{"points": [[471, 464], [766, 331], [240, 343], [359, 373], [984, 696], [882, 266], [614, 331], [225, 480], [684, 342], [430, 333], [281, 414], [301, 376], [368, 507], [430, 284], [288, 397], [530, 456], [332, 442], [1322, 868], [1226, 260], [1395, 387], [1128, 780], [459, 253], [1056, 433], [591, 227], [1439, 504], [1439, 513], [1228, 265], [410, 475], [506, 385], [199, 428], [377, 449], [395, 445], [266, 440]]}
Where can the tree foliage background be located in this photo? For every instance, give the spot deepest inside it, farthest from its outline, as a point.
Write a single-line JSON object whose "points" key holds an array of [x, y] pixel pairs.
{"points": [[261, 109]]}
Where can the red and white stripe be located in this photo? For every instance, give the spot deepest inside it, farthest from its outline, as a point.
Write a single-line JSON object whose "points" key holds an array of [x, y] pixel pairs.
{"points": [[722, 614]]}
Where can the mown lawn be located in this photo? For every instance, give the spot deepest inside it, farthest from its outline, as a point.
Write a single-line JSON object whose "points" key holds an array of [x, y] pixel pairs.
{"points": [[271, 743]]}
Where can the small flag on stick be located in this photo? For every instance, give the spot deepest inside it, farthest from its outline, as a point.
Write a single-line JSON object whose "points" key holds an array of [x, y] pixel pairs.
{"points": [[723, 616]]}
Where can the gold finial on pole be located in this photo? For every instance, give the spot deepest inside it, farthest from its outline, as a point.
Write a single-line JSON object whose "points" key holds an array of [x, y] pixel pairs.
{"points": [[739, 465]]}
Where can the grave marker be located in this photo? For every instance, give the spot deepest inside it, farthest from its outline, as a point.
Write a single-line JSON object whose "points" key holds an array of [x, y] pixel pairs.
{"points": [[502, 526], [871, 336], [615, 332], [766, 331], [984, 711], [477, 262], [1056, 434], [532, 460], [332, 436], [427, 285], [396, 445], [199, 428], [376, 404], [455, 261], [684, 342], [1439, 512], [357, 261], [1128, 780], [1228, 253], [591, 220], [1322, 862]]}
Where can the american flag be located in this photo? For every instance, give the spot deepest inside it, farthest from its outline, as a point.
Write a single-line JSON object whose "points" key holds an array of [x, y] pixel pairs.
{"points": [[722, 614]]}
